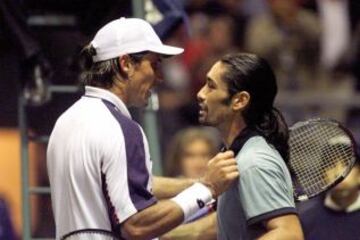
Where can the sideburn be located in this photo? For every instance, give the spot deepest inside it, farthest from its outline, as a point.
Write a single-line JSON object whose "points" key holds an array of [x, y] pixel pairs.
{"points": [[226, 101], [118, 69]]}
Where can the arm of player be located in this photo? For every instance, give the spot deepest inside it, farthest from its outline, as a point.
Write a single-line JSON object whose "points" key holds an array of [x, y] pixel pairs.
{"points": [[166, 215], [165, 187], [286, 227], [153, 221], [202, 229]]}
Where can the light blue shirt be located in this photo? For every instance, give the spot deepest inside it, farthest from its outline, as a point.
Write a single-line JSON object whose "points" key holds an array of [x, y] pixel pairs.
{"points": [[263, 191]]}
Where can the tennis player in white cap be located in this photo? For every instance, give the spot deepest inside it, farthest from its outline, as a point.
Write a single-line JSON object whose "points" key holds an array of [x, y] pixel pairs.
{"points": [[98, 157]]}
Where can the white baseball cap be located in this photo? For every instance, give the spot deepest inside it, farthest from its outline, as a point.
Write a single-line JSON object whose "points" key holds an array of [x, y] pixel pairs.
{"points": [[126, 36]]}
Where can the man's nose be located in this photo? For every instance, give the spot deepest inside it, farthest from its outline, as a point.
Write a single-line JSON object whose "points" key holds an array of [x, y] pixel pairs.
{"points": [[159, 76], [200, 95]]}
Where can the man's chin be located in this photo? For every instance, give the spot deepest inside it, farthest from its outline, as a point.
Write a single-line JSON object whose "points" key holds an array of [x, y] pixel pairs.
{"points": [[146, 104], [140, 104], [203, 121]]}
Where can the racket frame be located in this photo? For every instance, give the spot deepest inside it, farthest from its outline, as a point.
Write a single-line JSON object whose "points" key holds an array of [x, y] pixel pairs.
{"points": [[301, 196]]}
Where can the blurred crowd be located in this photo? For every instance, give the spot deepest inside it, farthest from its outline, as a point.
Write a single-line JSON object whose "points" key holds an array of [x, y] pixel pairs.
{"points": [[313, 46]]}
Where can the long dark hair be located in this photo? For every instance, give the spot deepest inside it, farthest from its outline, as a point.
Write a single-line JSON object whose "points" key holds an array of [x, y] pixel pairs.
{"points": [[248, 72]]}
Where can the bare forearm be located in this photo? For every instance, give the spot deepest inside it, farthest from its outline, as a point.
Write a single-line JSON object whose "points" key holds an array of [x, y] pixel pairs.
{"points": [[203, 229], [286, 227], [153, 221], [282, 235], [165, 215], [164, 187]]}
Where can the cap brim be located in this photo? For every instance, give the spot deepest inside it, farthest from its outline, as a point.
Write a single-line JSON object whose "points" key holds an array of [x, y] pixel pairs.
{"points": [[167, 50]]}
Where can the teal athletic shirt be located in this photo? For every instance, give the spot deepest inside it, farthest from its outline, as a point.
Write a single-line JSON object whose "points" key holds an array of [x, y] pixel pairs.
{"points": [[263, 191]]}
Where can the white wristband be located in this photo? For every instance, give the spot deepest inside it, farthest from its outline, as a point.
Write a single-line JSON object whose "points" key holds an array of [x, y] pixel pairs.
{"points": [[193, 199]]}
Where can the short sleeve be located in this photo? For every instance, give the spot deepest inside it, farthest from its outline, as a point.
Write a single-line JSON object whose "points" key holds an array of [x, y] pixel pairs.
{"points": [[264, 194], [126, 173]]}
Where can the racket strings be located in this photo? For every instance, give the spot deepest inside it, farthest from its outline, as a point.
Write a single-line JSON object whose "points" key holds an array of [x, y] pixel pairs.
{"points": [[313, 152], [316, 157]]}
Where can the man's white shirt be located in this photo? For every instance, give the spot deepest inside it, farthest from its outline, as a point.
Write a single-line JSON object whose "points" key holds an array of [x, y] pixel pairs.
{"points": [[98, 164]]}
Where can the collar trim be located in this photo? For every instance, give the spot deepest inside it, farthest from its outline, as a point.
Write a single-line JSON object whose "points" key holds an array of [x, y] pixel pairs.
{"points": [[108, 96]]}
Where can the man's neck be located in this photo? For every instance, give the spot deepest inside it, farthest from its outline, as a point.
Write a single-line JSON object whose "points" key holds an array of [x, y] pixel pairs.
{"points": [[231, 130], [118, 88]]}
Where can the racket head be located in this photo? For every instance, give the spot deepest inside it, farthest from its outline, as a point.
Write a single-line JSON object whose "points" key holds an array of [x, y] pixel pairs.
{"points": [[90, 234], [322, 154]]}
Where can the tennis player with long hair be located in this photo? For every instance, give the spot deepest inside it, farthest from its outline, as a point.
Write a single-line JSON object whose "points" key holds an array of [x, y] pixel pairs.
{"points": [[238, 99], [98, 157]]}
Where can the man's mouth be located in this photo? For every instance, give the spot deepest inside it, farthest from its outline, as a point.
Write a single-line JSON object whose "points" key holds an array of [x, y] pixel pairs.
{"points": [[149, 92], [202, 110]]}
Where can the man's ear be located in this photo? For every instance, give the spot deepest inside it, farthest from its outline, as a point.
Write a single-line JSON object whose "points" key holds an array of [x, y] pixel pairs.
{"points": [[240, 100], [126, 65]]}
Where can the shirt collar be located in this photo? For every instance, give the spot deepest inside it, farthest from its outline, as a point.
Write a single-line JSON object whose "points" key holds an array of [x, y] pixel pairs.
{"points": [[328, 202], [241, 139], [109, 96]]}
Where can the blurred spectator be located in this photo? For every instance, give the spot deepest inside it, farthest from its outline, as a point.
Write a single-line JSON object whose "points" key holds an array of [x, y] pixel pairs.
{"points": [[340, 51], [288, 37], [338, 19], [166, 16], [335, 215], [6, 227], [255, 7], [189, 152], [188, 155], [303, 53], [353, 8], [234, 9], [201, 52], [336, 34]]}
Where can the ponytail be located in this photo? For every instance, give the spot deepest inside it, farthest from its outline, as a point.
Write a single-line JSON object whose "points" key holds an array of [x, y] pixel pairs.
{"points": [[97, 74], [86, 57], [275, 130]]}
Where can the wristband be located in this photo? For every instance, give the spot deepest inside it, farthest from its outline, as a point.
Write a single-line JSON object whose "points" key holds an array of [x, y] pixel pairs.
{"points": [[209, 208], [193, 199]]}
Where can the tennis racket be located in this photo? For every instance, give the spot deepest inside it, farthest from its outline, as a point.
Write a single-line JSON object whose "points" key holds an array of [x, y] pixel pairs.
{"points": [[322, 153], [90, 234]]}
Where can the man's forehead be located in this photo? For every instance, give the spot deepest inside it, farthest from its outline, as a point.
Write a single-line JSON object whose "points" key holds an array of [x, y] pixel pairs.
{"points": [[216, 71], [155, 56]]}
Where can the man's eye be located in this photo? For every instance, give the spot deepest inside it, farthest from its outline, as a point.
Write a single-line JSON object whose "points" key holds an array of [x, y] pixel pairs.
{"points": [[211, 85]]}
